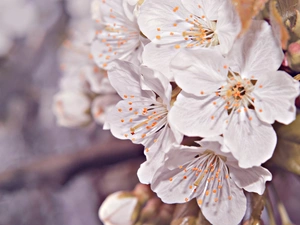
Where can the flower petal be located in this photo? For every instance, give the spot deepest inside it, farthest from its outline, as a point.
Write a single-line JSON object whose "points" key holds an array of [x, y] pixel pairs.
{"points": [[196, 73], [198, 116], [250, 55], [155, 153], [275, 94], [159, 57], [251, 179], [125, 78], [201, 7], [228, 26], [225, 211], [157, 83], [153, 22], [251, 141]]}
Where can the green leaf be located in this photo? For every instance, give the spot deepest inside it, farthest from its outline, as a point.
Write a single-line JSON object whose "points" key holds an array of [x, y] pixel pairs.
{"points": [[287, 152]]}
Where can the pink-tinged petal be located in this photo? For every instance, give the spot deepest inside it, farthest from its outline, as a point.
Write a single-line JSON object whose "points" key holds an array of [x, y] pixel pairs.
{"points": [[159, 58], [228, 26], [250, 54], [251, 141], [205, 8], [275, 94], [164, 16], [125, 78], [225, 211], [252, 179], [198, 116], [157, 83], [200, 71]]}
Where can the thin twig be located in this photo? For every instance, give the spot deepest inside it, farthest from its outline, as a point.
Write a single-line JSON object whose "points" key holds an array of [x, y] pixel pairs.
{"points": [[57, 170]]}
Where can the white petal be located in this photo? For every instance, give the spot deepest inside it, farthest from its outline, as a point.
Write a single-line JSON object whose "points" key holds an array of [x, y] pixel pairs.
{"points": [[162, 17], [225, 211], [198, 116], [275, 94], [105, 49], [200, 71], [201, 7], [102, 105], [252, 142], [252, 179], [125, 78], [157, 83], [159, 58], [147, 169], [173, 183], [155, 153], [228, 26], [250, 55]]}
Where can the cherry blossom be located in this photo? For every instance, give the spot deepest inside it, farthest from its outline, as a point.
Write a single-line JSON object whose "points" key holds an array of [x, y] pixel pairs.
{"points": [[78, 68], [212, 177], [175, 24], [239, 96], [71, 108], [142, 115], [119, 37]]}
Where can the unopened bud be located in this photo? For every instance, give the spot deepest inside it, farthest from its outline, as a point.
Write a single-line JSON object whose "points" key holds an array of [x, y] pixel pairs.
{"points": [[294, 56], [120, 208], [72, 108], [143, 192]]}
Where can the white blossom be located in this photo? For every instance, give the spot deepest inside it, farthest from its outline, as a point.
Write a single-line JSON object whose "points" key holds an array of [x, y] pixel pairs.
{"points": [[175, 24], [119, 37], [71, 108], [142, 115], [212, 177], [239, 96]]}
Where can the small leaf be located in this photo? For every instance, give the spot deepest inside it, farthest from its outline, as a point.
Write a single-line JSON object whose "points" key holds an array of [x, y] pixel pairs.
{"points": [[296, 28], [247, 9], [278, 25], [287, 152]]}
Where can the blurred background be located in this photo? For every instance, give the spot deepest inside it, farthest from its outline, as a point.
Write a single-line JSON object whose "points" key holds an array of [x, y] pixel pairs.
{"points": [[50, 175]]}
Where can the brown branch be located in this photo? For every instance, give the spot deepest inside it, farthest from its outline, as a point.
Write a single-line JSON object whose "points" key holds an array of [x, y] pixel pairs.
{"points": [[55, 171]]}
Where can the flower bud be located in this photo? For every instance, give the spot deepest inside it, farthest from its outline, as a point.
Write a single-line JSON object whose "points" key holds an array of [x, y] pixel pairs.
{"points": [[72, 108], [294, 56], [120, 208]]}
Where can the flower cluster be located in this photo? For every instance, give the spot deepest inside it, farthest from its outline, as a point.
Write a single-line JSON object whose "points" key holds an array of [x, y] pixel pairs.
{"points": [[182, 70], [85, 92]]}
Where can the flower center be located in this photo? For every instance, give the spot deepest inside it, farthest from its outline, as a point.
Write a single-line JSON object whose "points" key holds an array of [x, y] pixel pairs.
{"points": [[202, 33], [208, 176], [146, 117], [237, 93]]}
